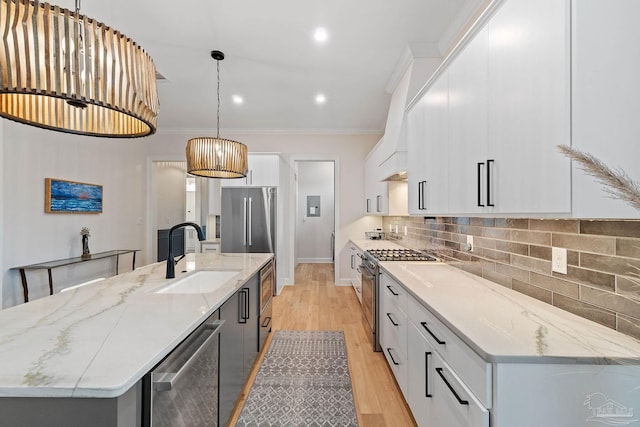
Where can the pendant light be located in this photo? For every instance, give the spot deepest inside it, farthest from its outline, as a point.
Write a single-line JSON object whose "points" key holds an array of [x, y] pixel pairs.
{"points": [[63, 71], [216, 157]]}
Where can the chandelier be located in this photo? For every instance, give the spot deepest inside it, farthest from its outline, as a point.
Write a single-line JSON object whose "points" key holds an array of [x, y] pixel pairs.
{"points": [[216, 157], [63, 71]]}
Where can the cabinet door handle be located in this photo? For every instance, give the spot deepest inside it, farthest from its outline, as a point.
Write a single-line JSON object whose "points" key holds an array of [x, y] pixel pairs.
{"points": [[250, 222], [244, 221], [393, 359], [368, 205], [460, 401], [242, 305], [424, 325], [426, 374], [392, 291], [489, 162], [353, 265], [393, 322], [479, 179], [247, 301], [379, 203], [421, 197], [424, 197]]}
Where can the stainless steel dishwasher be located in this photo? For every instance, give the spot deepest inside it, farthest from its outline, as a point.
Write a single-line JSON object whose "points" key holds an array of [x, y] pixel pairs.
{"points": [[184, 386]]}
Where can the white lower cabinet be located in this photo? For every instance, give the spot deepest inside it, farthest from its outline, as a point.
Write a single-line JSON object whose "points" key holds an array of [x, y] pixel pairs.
{"points": [[393, 332], [356, 273], [448, 384], [454, 405], [420, 386], [210, 247]]}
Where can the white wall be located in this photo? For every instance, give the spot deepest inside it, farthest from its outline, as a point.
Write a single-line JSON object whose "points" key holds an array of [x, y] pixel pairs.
{"points": [[29, 235], [170, 203], [123, 167], [314, 233]]}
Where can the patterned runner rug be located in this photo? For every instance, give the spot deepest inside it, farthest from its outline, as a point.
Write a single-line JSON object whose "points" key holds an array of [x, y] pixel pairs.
{"points": [[303, 381]]}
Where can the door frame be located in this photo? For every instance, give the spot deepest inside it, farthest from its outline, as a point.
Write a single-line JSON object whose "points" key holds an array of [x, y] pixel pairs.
{"points": [[293, 159]]}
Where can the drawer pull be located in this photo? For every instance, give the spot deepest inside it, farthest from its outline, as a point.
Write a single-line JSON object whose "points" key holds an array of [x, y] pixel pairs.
{"points": [[393, 322], [424, 325], [460, 401], [392, 358], [395, 294], [426, 374]]}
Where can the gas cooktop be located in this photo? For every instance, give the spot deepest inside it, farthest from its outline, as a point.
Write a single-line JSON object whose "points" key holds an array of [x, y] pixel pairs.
{"points": [[399, 255]]}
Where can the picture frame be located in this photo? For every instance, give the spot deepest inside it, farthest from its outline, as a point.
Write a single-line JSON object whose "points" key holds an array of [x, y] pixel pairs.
{"points": [[72, 197]]}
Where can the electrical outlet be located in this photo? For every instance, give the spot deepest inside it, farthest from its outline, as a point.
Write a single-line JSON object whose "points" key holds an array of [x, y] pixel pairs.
{"points": [[559, 260], [469, 246]]}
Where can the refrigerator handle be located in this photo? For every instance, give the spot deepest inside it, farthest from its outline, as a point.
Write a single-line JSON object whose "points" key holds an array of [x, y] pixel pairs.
{"points": [[244, 223], [249, 224]]}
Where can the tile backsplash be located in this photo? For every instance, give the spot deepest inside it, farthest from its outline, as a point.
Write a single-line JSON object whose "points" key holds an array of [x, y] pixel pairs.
{"points": [[603, 259]]}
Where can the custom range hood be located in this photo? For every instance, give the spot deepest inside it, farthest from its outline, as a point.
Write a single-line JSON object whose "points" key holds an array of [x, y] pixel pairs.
{"points": [[414, 69]]}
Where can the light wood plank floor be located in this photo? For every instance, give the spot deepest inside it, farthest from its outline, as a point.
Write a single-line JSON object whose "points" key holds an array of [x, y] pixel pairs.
{"points": [[315, 303]]}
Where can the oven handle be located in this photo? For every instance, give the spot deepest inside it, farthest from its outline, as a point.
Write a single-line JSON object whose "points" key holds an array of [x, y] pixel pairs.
{"points": [[366, 271], [167, 379]]}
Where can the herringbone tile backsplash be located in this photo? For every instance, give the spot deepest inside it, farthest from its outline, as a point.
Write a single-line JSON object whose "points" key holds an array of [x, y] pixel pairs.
{"points": [[603, 273]]}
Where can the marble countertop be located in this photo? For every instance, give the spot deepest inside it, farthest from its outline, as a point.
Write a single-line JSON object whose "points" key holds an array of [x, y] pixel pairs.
{"points": [[99, 340], [365, 245], [505, 326]]}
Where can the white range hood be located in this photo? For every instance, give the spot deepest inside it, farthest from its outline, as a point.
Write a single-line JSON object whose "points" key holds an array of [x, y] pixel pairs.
{"points": [[413, 71]]}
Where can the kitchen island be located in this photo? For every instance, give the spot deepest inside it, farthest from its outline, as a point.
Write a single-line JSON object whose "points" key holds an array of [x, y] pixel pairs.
{"points": [[96, 342]]}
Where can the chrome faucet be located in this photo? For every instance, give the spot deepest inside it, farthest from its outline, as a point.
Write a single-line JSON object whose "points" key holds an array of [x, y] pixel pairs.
{"points": [[171, 262]]}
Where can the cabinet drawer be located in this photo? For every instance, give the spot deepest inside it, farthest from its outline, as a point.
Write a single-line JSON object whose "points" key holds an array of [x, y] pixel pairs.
{"points": [[453, 405], [395, 292], [471, 368], [393, 323], [393, 340]]}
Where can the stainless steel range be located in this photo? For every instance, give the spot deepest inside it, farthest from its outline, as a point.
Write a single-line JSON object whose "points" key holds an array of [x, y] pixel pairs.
{"points": [[371, 279]]}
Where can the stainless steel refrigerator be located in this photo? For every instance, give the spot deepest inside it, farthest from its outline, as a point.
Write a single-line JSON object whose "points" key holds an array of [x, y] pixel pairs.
{"points": [[248, 221]]}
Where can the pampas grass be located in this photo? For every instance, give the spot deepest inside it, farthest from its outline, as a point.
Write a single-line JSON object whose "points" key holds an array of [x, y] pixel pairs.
{"points": [[616, 182]]}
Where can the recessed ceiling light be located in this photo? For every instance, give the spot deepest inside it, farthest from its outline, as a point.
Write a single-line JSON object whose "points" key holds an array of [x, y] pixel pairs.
{"points": [[237, 99], [320, 98], [320, 35]]}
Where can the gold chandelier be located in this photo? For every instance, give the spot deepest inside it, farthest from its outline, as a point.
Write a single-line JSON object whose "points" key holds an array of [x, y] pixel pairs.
{"points": [[216, 157], [62, 71]]}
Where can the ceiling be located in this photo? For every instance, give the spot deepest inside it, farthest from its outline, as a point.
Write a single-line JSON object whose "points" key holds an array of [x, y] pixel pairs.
{"points": [[273, 61]]}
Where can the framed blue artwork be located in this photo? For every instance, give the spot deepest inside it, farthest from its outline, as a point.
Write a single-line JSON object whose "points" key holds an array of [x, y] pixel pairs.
{"points": [[72, 197]]}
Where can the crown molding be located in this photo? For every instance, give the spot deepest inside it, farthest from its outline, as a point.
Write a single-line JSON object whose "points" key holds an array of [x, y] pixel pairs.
{"points": [[409, 53]]}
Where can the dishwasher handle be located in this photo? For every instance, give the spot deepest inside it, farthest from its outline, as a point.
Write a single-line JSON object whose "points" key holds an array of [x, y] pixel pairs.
{"points": [[166, 380]]}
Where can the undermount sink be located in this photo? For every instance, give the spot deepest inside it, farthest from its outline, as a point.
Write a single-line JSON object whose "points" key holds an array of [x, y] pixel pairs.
{"points": [[200, 282]]}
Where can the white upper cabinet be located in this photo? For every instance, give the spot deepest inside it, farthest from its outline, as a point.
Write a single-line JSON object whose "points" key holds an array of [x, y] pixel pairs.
{"points": [[529, 107], [469, 126], [264, 170], [382, 197], [493, 118], [427, 145], [376, 201], [606, 99]]}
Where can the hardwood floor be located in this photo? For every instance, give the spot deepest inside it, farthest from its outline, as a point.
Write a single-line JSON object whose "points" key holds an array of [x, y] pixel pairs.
{"points": [[315, 303]]}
